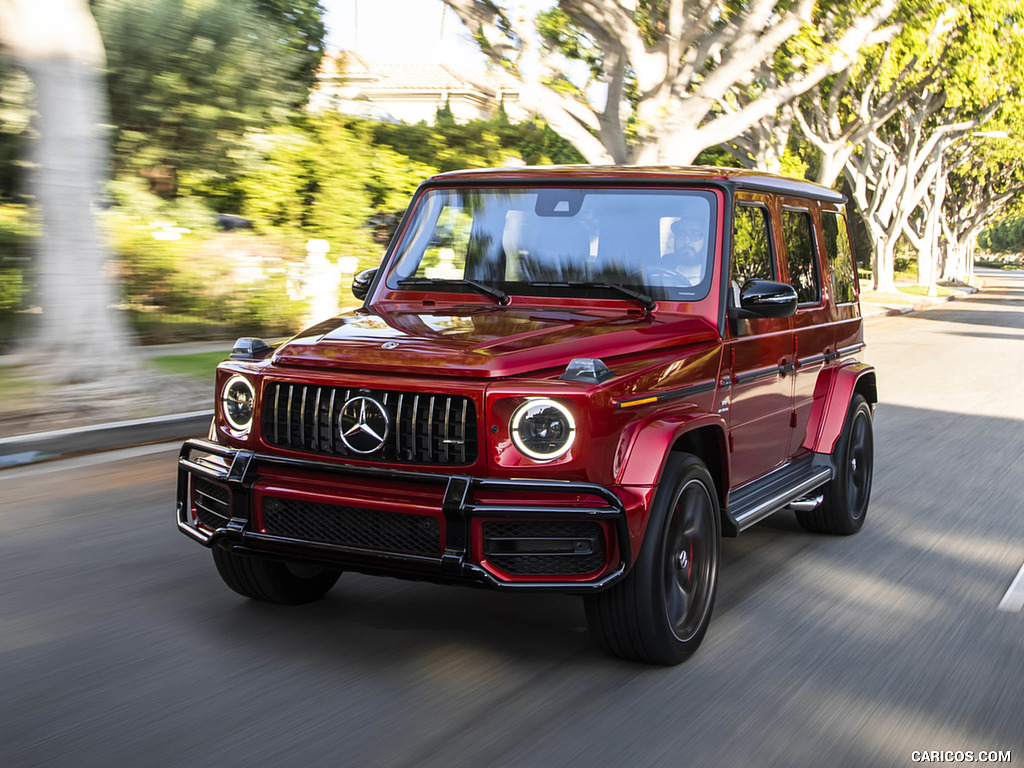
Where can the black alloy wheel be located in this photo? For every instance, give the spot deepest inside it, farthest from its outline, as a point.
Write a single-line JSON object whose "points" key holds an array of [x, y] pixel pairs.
{"points": [[845, 503], [660, 612], [690, 559]]}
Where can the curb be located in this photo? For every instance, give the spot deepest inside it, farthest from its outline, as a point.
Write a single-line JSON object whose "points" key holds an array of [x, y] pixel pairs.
{"points": [[26, 449]]}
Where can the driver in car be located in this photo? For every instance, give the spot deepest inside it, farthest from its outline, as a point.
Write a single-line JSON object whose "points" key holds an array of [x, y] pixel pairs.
{"points": [[688, 256]]}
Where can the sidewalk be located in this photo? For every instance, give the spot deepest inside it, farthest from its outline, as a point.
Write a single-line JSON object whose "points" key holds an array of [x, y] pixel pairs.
{"points": [[181, 406], [873, 304]]}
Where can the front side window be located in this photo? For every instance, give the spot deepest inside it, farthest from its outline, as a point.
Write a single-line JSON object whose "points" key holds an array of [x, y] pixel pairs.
{"points": [[560, 241], [798, 235], [840, 256], [751, 245]]}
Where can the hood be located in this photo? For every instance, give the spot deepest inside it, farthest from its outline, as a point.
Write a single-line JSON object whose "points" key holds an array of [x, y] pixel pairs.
{"points": [[483, 342]]}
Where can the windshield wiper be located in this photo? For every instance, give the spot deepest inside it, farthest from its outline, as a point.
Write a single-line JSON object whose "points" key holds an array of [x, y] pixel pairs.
{"points": [[497, 293], [647, 301]]}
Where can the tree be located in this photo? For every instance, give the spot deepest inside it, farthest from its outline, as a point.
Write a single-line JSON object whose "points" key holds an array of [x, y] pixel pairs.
{"points": [[665, 79], [326, 178], [57, 44], [986, 175], [888, 123], [302, 22], [187, 81], [842, 112]]}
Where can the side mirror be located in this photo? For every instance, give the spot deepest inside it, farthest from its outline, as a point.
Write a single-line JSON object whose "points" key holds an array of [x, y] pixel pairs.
{"points": [[765, 298], [362, 281]]}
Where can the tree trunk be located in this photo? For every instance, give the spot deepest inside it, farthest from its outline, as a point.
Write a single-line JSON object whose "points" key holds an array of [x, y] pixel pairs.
{"points": [[956, 263], [883, 262], [79, 337], [928, 252]]}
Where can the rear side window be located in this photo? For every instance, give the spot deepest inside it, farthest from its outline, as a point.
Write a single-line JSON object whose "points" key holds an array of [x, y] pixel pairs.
{"points": [[840, 257], [751, 245], [798, 234]]}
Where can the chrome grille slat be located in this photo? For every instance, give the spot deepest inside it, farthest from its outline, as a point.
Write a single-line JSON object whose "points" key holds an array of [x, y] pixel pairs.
{"points": [[291, 388], [445, 437], [415, 413], [428, 428], [398, 426], [316, 420], [462, 432], [330, 422], [277, 414]]}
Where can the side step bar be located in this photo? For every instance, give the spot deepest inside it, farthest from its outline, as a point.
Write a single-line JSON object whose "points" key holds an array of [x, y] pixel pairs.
{"points": [[788, 486]]}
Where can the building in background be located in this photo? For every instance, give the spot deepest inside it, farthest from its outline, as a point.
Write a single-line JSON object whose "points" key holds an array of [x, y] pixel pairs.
{"points": [[354, 84]]}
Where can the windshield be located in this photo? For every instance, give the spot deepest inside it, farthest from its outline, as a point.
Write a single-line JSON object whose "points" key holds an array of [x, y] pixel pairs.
{"points": [[549, 241]]}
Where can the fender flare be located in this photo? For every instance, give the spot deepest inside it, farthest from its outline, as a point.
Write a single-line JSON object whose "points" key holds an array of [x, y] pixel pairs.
{"points": [[653, 439], [832, 394]]}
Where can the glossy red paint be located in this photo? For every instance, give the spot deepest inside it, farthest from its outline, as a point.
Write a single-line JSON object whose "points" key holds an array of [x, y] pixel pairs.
{"points": [[474, 338], [831, 401]]}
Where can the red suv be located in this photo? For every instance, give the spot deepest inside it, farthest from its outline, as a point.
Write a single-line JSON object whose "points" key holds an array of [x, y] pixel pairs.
{"points": [[574, 378]]}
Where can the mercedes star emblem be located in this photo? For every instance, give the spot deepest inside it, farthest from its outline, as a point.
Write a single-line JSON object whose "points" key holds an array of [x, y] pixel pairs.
{"points": [[363, 424]]}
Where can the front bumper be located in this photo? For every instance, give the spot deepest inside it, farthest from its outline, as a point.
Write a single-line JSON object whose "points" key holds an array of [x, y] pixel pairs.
{"points": [[240, 472]]}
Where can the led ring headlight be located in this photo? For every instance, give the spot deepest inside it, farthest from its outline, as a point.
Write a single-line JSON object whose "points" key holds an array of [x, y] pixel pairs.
{"points": [[237, 399], [542, 429]]}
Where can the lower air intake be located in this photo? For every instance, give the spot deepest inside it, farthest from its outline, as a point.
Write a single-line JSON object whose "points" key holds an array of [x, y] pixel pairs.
{"points": [[211, 502], [352, 526]]}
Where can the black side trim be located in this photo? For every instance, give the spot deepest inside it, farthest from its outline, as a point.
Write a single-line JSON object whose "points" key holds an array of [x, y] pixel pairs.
{"points": [[813, 359], [764, 373], [850, 350]]}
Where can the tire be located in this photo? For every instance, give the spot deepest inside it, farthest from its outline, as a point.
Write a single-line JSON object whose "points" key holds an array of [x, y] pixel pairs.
{"points": [[845, 505], [271, 581], [659, 613]]}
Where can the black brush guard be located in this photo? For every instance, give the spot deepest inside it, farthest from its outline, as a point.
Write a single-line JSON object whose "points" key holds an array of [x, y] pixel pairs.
{"points": [[240, 469]]}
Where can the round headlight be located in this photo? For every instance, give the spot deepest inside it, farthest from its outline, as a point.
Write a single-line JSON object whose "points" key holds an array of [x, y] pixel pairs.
{"points": [[542, 429], [237, 400]]}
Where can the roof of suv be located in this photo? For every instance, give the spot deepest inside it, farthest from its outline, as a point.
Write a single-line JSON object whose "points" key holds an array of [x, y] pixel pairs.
{"points": [[739, 177]]}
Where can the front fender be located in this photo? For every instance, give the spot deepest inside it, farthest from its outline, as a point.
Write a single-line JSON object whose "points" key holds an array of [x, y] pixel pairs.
{"points": [[832, 394], [648, 444]]}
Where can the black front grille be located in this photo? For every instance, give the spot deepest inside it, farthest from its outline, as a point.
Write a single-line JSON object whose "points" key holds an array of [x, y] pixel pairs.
{"points": [[536, 548], [421, 428], [212, 503], [352, 527]]}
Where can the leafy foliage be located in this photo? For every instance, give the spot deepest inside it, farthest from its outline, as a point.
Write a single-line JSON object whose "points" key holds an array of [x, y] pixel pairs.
{"points": [[187, 80], [1005, 236], [302, 21], [17, 230], [15, 125], [477, 144], [324, 178], [204, 284]]}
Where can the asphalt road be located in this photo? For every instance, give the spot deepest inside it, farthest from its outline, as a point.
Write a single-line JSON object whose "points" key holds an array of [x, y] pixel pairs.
{"points": [[119, 646]]}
